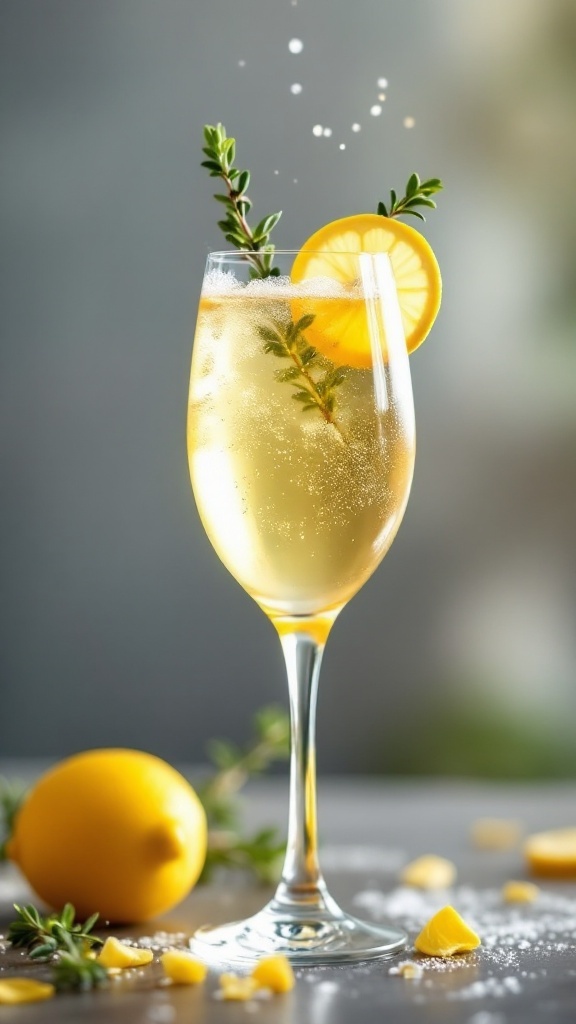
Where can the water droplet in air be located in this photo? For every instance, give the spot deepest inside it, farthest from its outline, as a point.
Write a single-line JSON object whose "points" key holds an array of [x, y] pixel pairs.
{"points": [[296, 88], [382, 96], [276, 172], [295, 46], [376, 110], [295, 180], [342, 145], [317, 130], [327, 132], [382, 83], [356, 127], [241, 63], [409, 122]]}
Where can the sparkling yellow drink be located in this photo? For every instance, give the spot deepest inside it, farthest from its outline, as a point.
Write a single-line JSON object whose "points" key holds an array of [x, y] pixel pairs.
{"points": [[301, 500]]}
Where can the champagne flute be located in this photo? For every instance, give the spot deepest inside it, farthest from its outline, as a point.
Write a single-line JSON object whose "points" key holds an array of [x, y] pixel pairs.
{"points": [[301, 470]]}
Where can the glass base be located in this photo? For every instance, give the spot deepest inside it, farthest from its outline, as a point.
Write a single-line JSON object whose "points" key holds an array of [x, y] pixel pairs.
{"points": [[306, 936]]}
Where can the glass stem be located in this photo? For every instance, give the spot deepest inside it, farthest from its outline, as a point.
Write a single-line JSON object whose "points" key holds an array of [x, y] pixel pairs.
{"points": [[302, 885]]}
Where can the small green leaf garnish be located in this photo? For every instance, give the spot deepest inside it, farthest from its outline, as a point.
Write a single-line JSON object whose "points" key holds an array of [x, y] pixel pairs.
{"points": [[417, 194]]}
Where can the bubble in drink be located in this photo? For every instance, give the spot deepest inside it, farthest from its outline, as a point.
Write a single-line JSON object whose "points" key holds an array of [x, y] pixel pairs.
{"points": [[295, 46], [317, 130], [376, 110], [382, 83], [296, 88], [342, 145], [327, 132], [356, 127], [409, 122]]}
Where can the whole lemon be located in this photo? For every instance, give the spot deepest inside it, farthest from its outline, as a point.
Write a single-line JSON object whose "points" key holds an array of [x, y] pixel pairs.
{"points": [[114, 831]]}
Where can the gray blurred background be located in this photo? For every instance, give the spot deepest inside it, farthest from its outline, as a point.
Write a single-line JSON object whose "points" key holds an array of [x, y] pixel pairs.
{"points": [[118, 625]]}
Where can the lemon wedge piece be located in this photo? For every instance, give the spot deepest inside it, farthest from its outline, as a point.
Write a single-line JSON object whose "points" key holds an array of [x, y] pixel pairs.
{"points": [[275, 973], [552, 854], [118, 954], [182, 967], [445, 934], [340, 329], [24, 990]]}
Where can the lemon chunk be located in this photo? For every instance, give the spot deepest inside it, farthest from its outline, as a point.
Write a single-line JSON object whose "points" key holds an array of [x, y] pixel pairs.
{"points": [[429, 872], [445, 934], [24, 990], [520, 892], [275, 973], [496, 833], [182, 967], [408, 969], [552, 854], [237, 988], [117, 954], [341, 331]]}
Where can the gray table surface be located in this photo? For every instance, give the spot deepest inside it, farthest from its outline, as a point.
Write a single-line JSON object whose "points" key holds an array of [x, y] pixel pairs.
{"points": [[524, 972]]}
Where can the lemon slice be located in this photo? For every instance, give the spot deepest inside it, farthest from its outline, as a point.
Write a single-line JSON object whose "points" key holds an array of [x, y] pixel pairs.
{"points": [[552, 854], [340, 329]]}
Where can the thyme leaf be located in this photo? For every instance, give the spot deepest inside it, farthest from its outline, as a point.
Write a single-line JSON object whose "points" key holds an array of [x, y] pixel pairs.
{"points": [[417, 193]]}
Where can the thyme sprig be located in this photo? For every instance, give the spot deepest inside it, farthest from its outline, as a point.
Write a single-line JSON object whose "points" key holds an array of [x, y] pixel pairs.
{"points": [[12, 794], [290, 343], [260, 853], [220, 152], [61, 939], [417, 194], [42, 936], [77, 969]]}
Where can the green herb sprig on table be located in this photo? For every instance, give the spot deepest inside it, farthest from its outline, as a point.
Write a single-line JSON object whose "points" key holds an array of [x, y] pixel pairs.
{"points": [[11, 796], [62, 940], [42, 936], [75, 970], [417, 194], [220, 152], [262, 852]]}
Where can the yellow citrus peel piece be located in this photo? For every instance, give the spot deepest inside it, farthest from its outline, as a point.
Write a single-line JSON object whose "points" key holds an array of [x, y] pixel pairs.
{"points": [[429, 872], [445, 934], [117, 954], [495, 833], [340, 329], [182, 967], [552, 854], [409, 970], [237, 988], [24, 990], [520, 892], [275, 973]]}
